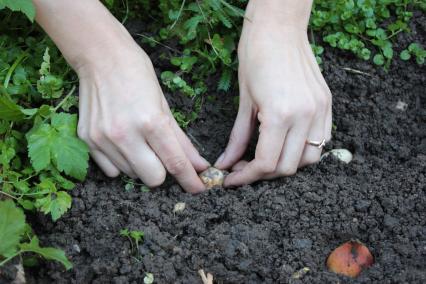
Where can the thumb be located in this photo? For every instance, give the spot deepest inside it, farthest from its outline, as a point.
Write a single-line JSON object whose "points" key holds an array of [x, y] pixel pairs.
{"points": [[239, 138]]}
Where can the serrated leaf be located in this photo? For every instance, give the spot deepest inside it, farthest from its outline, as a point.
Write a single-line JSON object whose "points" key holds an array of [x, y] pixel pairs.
{"points": [[56, 203], [12, 226], [48, 252], [58, 144], [24, 6], [70, 155], [65, 123], [39, 144]]}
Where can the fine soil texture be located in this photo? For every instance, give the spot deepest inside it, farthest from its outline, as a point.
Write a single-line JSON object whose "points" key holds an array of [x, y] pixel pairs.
{"points": [[267, 231]]}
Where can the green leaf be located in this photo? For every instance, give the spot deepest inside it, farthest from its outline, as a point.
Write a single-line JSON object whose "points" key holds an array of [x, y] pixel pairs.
{"points": [[24, 6], [12, 227], [58, 144], [70, 155], [48, 252], [405, 55], [56, 204], [225, 80], [65, 123], [378, 59], [39, 144], [9, 110]]}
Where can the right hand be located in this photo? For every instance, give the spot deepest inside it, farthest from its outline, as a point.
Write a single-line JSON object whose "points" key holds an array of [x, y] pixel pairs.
{"points": [[127, 123]]}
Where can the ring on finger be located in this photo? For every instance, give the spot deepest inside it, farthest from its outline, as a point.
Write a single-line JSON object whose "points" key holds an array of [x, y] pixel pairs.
{"points": [[318, 144]]}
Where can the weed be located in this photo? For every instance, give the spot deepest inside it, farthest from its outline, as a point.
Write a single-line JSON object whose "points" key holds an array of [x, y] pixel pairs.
{"points": [[40, 153], [135, 237]]}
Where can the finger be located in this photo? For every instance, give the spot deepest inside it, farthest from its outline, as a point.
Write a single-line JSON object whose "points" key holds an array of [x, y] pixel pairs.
{"points": [[104, 163], [292, 151], [239, 138], [199, 163], [113, 153], [268, 150], [239, 166], [312, 154], [163, 141], [143, 161], [100, 159], [328, 124]]}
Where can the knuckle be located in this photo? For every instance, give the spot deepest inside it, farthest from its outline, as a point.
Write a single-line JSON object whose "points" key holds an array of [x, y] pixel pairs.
{"points": [[288, 171], [309, 110], [284, 114], [96, 137], [150, 123], [82, 132], [117, 135], [176, 165], [323, 103], [266, 167]]}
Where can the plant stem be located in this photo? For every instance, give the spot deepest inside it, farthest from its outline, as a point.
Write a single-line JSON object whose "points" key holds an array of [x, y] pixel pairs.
{"points": [[12, 68], [9, 258], [65, 99], [8, 195]]}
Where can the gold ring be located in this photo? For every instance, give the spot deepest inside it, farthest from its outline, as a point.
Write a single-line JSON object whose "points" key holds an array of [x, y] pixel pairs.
{"points": [[318, 144]]}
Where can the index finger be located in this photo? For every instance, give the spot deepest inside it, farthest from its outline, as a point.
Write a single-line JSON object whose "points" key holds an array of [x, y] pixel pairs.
{"points": [[268, 152], [165, 144]]}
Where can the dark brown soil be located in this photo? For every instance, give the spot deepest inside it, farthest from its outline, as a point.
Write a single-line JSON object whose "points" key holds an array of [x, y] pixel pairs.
{"points": [[265, 232]]}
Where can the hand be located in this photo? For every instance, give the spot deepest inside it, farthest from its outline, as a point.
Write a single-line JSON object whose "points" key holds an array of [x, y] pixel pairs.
{"points": [[281, 85], [124, 117], [127, 123]]}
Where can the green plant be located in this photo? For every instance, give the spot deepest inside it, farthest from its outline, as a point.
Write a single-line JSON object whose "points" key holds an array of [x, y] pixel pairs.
{"points": [[40, 153], [135, 237], [366, 28], [24, 6], [415, 50], [17, 238]]}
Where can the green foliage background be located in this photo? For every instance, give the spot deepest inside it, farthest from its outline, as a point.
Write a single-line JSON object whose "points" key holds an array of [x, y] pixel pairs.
{"points": [[41, 157]]}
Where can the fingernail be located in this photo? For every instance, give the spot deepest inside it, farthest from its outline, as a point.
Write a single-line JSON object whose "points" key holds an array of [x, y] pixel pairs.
{"points": [[220, 159]]}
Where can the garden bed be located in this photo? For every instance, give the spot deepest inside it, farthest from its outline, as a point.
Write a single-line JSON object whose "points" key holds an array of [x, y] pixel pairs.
{"points": [[265, 232]]}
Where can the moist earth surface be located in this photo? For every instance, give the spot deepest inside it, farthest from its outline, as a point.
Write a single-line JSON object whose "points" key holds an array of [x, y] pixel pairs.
{"points": [[267, 231]]}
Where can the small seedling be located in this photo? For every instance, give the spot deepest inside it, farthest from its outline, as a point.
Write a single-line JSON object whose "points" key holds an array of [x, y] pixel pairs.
{"points": [[415, 50], [135, 237], [131, 185]]}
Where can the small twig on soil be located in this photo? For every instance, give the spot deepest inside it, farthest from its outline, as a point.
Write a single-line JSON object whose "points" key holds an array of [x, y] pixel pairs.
{"points": [[206, 279], [356, 71]]}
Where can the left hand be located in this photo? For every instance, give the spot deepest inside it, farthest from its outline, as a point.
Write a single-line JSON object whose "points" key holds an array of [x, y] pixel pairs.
{"points": [[282, 86]]}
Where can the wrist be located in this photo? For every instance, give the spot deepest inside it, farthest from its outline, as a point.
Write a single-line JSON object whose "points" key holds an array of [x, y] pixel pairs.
{"points": [[288, 15]]}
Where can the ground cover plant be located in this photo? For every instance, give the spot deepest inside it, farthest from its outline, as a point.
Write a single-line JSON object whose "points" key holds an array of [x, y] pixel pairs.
{"points": [[198, 39]]}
